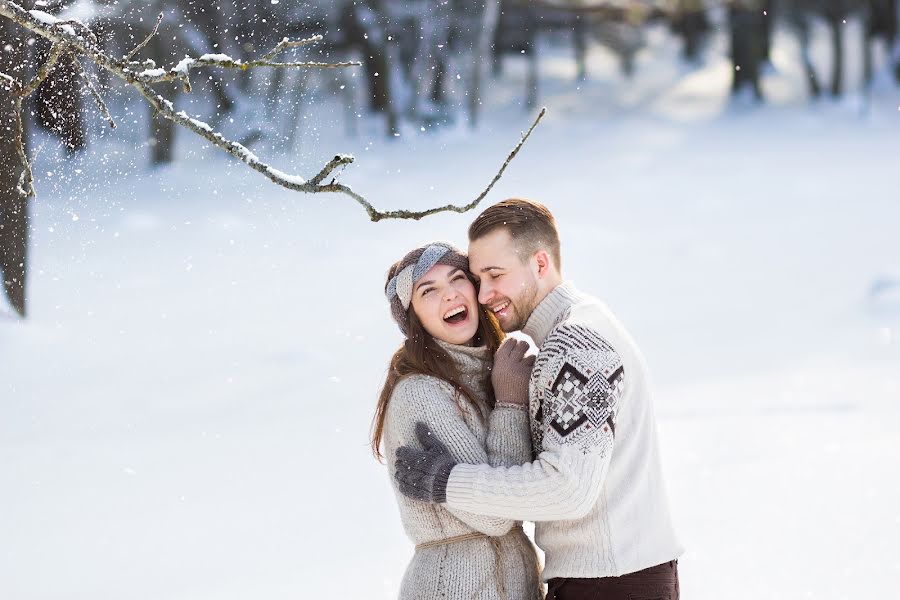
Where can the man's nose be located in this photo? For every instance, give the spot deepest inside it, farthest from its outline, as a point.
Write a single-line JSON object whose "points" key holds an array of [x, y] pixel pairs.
{"points": [[484, 293]]}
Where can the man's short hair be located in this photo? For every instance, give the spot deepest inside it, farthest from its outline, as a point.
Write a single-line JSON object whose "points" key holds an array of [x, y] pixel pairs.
{"points": [[530, 225]]}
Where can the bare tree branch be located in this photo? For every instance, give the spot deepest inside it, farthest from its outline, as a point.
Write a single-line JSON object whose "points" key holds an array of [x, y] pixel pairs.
{"points": [[79, 28], [55, 53], [407, 214], [98, 99], [180, 71], [25, 186], [11, 82], [286, 43], [76, 37], [341, 160], [147, 39]]}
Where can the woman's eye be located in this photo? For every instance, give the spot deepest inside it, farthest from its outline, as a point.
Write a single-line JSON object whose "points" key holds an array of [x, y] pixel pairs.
{"points": [[427, 291], [458, 277], [496, 275]]}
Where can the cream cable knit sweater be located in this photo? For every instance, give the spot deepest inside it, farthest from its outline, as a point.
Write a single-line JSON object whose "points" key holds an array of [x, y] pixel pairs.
{"points": [[596, 489], [463, 570]]}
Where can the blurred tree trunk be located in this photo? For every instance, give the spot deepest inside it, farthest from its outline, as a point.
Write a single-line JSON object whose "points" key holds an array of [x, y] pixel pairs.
{"points": [[580, 42], [881, 21], [362, 23], [13, 207], [800, 22], [516, 34], [487, 27], [835, 23], [426, 26], [747, 44], [57, 102], [691, 23], [213, 23], [768, 27], [162, 134], [162, 131]]}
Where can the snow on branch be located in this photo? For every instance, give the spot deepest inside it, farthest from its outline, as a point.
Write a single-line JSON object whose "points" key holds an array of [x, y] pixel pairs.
{"points": [[11, 82], [149, 73], [76, 38]]}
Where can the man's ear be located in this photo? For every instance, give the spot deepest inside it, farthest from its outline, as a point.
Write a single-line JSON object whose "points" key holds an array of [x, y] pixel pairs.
{"points": [[542, 259]]}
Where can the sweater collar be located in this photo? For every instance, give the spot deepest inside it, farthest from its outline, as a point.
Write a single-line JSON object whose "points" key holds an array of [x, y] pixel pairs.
{"points": [[474, 364], [470, 360], [551, 311]]}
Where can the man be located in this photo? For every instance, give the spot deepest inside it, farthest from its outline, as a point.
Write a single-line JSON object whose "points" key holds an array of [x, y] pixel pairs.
{"points": [[595, 489]]}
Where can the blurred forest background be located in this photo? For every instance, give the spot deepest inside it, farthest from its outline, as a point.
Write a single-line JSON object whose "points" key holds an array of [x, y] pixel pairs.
{"points": [[426, 65]]}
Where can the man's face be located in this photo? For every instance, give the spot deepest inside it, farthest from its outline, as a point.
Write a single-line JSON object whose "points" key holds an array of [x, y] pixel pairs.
{"points": [[509, 285]]}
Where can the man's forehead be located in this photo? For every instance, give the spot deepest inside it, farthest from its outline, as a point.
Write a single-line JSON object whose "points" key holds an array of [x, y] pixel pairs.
{"points": [[491, 249], [482, 259]]}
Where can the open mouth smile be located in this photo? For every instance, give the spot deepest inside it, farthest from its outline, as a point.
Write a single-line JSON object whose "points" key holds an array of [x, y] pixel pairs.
{"points": [[500, 309], [457, 315]]}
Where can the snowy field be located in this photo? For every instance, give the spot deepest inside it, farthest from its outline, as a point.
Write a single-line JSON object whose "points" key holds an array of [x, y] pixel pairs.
{"points": [[185, 412]]}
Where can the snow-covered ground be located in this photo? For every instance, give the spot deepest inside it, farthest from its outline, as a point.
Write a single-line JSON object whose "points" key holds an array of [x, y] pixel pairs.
{"points": [[185, 412]]}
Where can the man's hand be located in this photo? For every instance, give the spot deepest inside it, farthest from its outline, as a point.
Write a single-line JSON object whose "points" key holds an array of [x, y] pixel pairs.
{"points": [[512, 372], [423, 474]]}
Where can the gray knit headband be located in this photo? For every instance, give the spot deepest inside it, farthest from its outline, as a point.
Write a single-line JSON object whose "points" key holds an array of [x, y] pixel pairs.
{"points": [[412, 268]]}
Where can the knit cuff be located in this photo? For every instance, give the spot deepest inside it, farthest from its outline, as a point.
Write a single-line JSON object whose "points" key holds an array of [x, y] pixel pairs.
{"points": [[511, 405], [439, 489]]}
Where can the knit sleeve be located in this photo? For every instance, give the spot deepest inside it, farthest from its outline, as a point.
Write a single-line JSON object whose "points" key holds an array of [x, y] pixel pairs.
{"points": [[578, 381], [432, 401], [509, 436]]}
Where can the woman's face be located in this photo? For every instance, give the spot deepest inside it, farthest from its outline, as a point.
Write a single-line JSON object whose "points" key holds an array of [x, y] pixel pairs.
{"points": [[446, 304]]}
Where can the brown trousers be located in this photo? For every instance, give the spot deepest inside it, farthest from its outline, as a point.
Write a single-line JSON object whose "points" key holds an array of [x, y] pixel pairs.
{"points": [[655, 583]]}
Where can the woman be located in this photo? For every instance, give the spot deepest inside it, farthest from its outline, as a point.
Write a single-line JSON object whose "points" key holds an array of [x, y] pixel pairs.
{"points": [[442, 376]]}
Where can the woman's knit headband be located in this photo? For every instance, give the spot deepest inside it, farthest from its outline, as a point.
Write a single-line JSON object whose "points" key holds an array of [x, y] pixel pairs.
{"points": [[401, 284]]}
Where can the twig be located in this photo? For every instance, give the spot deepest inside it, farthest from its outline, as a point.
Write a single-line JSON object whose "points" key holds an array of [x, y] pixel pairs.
{"points": [[82, 29], [101, 105], [146, 41], [85, 43], [286, 43], [180, 71], [55, 53], [299, 65], [25, 185], [11, 82], [407, 214], [340, 160]]}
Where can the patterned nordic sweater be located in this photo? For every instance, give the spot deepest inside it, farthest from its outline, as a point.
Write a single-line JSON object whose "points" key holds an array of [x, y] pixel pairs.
{"points": [[595, 488], [463, 570]]}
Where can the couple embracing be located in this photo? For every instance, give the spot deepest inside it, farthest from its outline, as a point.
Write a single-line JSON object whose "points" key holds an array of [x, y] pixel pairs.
{"points": [[479, 435]]}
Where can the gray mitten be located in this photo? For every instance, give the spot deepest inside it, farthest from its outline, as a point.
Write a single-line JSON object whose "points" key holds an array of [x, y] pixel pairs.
{"points": [[423, 474], [512, 372]]}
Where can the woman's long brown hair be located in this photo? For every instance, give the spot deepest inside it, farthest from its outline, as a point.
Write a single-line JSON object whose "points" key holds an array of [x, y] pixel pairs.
{"points": [[420, 355]]}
